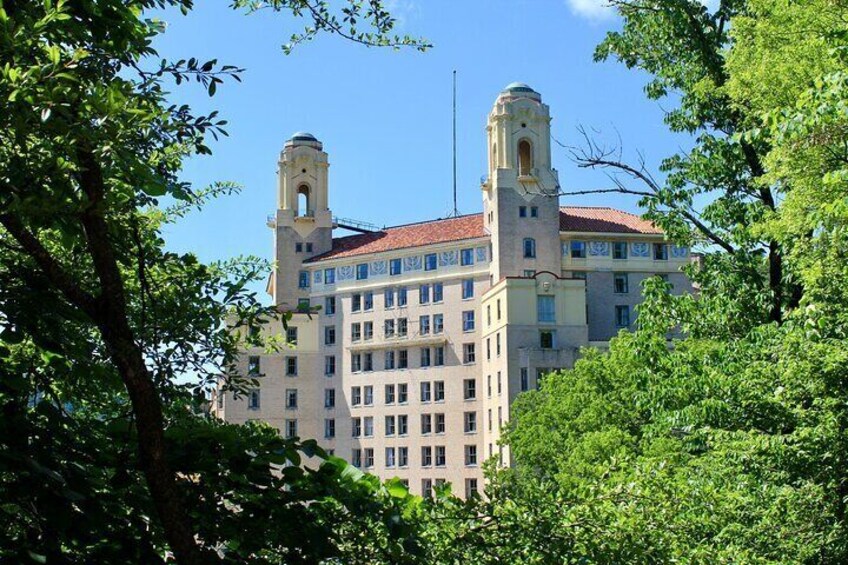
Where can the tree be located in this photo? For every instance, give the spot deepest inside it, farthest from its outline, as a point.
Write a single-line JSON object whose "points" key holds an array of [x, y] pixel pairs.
{"points": [[99, 320]]}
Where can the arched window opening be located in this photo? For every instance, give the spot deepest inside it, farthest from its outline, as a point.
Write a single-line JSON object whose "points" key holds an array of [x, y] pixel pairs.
{"points": [[303, 201], [525, 158]]}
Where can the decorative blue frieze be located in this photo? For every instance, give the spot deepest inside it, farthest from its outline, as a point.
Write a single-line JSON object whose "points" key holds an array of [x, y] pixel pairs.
{"points": [[679, 252], [640, 249], [599, 248], [345, 273], [412, 263], [316, 277], [378, 268], [565, 247], [481, 254], [448, 258]]}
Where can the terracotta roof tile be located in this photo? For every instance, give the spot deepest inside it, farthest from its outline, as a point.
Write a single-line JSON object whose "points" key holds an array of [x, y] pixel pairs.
{"points": [[571, 218]]}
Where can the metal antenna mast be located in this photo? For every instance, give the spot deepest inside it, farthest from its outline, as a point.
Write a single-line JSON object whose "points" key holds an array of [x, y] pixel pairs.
{"points": [[455, 209]]}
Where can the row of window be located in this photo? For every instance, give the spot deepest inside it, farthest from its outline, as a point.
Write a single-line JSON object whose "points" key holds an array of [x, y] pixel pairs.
{"points": [[399, 457], [577, 250], [427, 293]]}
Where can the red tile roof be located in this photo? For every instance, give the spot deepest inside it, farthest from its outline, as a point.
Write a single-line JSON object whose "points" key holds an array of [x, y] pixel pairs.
{"points": [[571, 218]]}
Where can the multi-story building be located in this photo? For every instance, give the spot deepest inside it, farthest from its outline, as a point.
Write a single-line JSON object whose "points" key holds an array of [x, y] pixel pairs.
{"points": [[427, 332]]}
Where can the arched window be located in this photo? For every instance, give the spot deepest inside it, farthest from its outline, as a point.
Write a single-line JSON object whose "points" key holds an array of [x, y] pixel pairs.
{"points": [[525, 158], [529, 248], [303, 201]]}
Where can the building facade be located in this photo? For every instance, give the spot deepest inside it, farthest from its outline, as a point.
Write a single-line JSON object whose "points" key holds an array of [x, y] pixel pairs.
{"points": [[427, 332]]}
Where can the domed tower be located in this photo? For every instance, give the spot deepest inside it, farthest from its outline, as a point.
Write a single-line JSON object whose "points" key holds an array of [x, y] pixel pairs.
{"points": [[303, 222], [520, 195]]}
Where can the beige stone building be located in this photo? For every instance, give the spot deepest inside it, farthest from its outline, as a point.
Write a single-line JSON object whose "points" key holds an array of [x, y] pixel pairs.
{"points": [[427, 332]]}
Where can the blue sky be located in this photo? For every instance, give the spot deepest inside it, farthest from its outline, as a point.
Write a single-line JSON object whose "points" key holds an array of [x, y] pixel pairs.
{"points": [[385, 116]]}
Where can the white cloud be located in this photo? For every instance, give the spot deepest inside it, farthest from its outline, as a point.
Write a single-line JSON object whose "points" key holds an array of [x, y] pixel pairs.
{"points": [[601, 9]]}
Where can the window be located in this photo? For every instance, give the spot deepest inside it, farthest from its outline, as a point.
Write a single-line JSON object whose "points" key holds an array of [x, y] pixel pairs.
{"points": [[426, 457], [426, 487], [438, 323], [470, 455], [578, 249], [329, 276], [330, 365], [389, 328], [253, 366], [619, 283], [355, 395], [253, 399], [368, 301], [425, 357], [368, 395], [303, 304], [488, 314], [466, 257], [439, 391], [424, 294], [499, 382], [467, 289], [525, 158], [403, 359], [389, 298], [534, 211], [470, 488], [468, 321], [440, 456], [356, 303], [355, 362], [390, 457], [356, 458], [426, 424], [394, 267], [330, 305], [619, 250], [522, 211], [403, 424], [546, 308], [403, 393], [424, 325], [390, 425], [470, 422], [500, 417], [291, 398], [403, 456], [355, 331], [660, 252], [291, 366], [490, 428], [468, 353], [291, 428], [368, 330], [362, 271], [401, 327], [329, 398], [438, 292], [389, 360], [390, 394], [525, 379], [329, 335], [469, 389], [529, 248], [499, 308], [309, 248], [368, 426], [303, 279], [440, 423], [356, 427], [369, 457], [425, 391], [291, 335], [529, 273], [439, 356], [298, 247], [546, 339], [402, 296], [368, 361], [498, 344], [430, 262], [488, 348], [329, 428], [489, 386], [622, 316]]}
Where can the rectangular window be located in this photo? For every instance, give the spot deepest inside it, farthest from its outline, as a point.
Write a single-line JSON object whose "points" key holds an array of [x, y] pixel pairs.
{"points": [[529, 248], [368, 426], [362, 271], [368, 301], [403, 359], [390, 425], [439, 391], [499, 382], [401, 327], [403, 425], [329, 428], [426, 424], [488, 314], [424, 294], [534, 211], [439, 356], [622, 316], [425, 392], [546, 339], [368, 361], [490, 427], [390, 457], [403, 393], [253, 399], [620, 283], [426, 457], [467, 289], [470, 455], [309, 248], [499, 308], [469, 389], [303, 305], [389, 328], [470, 422], [389, 298], [498, 344], [470, 488], [522, 211], [619, 250], [330, 305], [303, 279], [525, 379], [402, 296], [390, 394], [488, 349], [440, 423], [329, 335], [356, 302], [356, 331], [438, 292], [660, 252], [329, 276], [355, 395], [394, 267], [356, 457], [466, 257], [438, 323], [291, 398], [403, 456], [291, 366], [546, 308], [424, 325], [489, 386], [355, 362], [578, 249], [368, 330], [427, 487], [330, 365], [529, 273], [291, 428], [440, 456], [369, 457], [291, 335], [468, 353], [298, 247], [329, 398], [425, 356], [468, 321], [389, 360], [253, 366], [430, 262], [368, 395]]}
